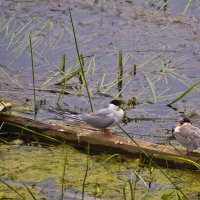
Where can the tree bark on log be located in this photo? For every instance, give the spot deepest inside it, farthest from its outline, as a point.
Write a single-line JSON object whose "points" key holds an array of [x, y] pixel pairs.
{"points": [[79, 135]]}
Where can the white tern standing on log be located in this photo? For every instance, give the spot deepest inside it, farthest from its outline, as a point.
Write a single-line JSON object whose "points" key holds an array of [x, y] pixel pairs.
{"points": [[187, 134], [102, 119]]}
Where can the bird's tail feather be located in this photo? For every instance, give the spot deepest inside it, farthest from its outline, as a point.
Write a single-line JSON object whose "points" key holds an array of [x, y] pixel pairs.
{"points": [[67, 115]]}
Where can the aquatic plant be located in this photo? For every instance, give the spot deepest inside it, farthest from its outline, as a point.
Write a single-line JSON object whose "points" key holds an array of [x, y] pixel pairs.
{"points": [[184, 93], [33, 78], [80, 59], [63, 177], [86, 171]]}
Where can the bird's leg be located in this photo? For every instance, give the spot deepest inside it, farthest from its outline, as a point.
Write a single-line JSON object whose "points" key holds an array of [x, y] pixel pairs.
{"points": [[107, 133]]}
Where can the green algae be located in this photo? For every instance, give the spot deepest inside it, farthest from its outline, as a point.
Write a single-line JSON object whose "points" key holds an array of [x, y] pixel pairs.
{"points": [[8, 193], [107, 176]]}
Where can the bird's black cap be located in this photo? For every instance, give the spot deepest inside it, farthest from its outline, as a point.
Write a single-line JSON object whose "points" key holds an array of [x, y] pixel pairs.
{"points": [[116, 102], [184, 120]]}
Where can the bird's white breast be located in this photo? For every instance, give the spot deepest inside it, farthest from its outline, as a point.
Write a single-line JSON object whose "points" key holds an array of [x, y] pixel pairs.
{"points": [[116, 112], [177, 129]]}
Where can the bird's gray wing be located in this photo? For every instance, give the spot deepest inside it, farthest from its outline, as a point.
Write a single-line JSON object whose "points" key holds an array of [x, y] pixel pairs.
{"points": [[193, 132], [102, 112], [195, 136], [189, 136], [99, 119]]}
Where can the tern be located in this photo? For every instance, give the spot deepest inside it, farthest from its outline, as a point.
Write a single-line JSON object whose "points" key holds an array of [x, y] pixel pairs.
{"points": [[187, 135], [101, 119]]}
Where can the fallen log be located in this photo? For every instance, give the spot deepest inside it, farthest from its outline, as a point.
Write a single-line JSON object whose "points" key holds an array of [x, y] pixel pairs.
{"points": [[80, 135]]}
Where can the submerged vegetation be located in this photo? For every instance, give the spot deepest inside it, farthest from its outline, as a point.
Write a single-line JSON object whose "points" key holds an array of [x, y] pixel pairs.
{"points": [[107, 176], [156, 75]]}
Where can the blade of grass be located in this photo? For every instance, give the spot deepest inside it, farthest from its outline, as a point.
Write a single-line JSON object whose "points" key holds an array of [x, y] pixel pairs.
{"points": [[131, 189], [33, 77], [80, 76], [18, 32], [90, 66], [133, 69], [68, 71], [9, 31], [179, 78], [113, 83], [13, 189], [124, 190], [185, 160], [2, 20], [86, 171], [29, 191], [178, 196], [96, 189], [62, 69], [139, 177], [184, 93], [63, 177], [135, 185], [102, 82], [119, 94], [187, 6], [94, 66], [79, 57], [112, 156], [62, 93], [152, 88], [120, 71]]}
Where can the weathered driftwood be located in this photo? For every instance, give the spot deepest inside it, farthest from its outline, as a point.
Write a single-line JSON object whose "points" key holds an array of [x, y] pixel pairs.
{"points": [[79, 135]]}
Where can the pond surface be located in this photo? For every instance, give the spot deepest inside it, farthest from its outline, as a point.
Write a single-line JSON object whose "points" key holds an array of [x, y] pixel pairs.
{"points": [[162, 41]]}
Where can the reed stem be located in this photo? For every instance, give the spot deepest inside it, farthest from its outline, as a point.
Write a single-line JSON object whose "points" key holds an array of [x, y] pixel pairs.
{"points": [[63, 63], [33, 77], [86, 171], [62, 70], [30, 192], [134, 69], [120, 71], [79, 58], [131, 189], [63, 177], [184, 93]]}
